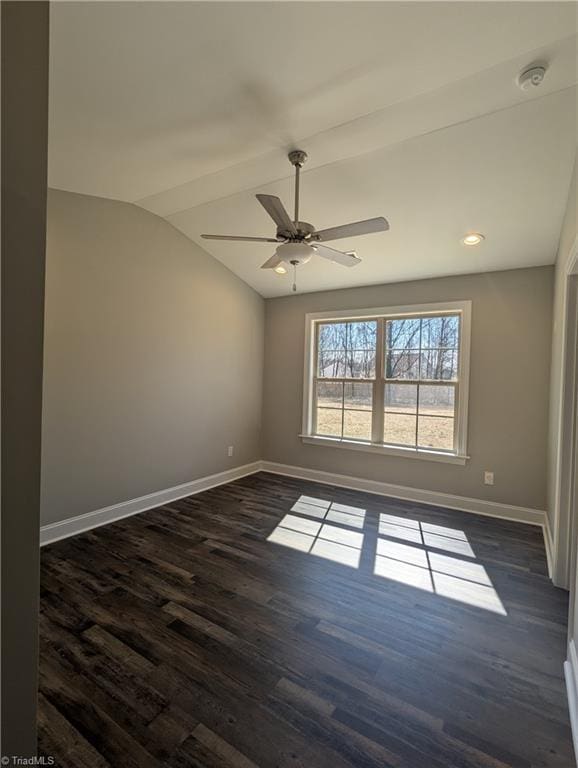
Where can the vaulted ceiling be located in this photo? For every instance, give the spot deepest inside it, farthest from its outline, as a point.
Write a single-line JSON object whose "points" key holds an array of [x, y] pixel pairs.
{"points": [[407, 110]]}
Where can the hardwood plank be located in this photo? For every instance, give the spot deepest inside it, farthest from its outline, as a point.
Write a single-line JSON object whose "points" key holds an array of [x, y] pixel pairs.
{"points": [[57, 735], [185, 637]]}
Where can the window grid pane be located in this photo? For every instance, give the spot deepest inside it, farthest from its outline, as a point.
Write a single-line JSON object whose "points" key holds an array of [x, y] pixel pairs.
{"points": [[358, 396], [400, 429], [329, 394], [436, 432], [357, 424], [329, 410], [347, 349], [329, 422]]}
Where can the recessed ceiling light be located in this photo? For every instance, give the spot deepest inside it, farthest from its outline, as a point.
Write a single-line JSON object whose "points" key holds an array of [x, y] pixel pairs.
{"points": [[281, 270], [473, 238]]}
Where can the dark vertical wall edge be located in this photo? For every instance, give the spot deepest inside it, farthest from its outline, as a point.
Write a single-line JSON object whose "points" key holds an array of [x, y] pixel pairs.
{"points": [[24, 127]]}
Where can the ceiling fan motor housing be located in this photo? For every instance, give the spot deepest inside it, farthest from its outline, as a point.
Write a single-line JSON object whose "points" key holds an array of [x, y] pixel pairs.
{"points": [[304, 230]]}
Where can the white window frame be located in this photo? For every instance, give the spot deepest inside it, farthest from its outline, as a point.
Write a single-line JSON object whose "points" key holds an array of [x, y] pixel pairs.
{"points": [[459, 455]]}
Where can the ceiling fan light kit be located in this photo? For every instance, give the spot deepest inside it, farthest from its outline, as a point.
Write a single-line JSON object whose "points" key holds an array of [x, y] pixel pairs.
{"points": [[298, 240], [295, 253]]}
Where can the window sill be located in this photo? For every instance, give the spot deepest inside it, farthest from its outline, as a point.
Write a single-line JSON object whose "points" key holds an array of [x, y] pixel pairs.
{"points": [[386, 450]]}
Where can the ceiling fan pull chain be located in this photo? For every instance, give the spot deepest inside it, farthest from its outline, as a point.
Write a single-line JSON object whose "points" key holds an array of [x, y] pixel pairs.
{"points": [[294, 278]]}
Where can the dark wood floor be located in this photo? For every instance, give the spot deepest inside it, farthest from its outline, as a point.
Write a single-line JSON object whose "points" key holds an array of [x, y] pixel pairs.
{"points": [[396, 635]]}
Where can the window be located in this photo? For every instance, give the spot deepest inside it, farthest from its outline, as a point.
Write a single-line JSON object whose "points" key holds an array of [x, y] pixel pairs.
{"points": [[389, 380]]}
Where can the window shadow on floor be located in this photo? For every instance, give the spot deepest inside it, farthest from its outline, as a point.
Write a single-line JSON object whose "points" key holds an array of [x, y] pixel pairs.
{"points": [[433, 558]]}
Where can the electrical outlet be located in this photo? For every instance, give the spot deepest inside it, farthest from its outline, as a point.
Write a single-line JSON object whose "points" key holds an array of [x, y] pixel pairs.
{"points": [[230, 450], [489, 478]]}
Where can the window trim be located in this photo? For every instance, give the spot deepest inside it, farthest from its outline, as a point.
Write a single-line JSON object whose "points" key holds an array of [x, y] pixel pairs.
{"points": [[464, 308]]}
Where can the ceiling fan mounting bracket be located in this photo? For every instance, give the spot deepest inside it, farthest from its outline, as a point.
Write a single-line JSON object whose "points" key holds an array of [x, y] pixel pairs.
{"points": [[297, 157]]}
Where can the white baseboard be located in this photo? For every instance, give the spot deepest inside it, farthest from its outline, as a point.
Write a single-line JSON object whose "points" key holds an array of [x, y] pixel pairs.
{"points": [[73, 525], [571, 675], [435, 498], [549, 545], [70, 527]]}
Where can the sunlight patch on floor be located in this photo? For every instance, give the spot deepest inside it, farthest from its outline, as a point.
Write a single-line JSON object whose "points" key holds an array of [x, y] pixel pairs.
{"points": [[436, 536], [333, 542], [418, 566], [477, 595], [429, 557], [355, 521], [306, 508]]}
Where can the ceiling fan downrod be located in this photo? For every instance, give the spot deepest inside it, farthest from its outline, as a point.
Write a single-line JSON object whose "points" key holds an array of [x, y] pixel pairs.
{"points": [[297, 157]]}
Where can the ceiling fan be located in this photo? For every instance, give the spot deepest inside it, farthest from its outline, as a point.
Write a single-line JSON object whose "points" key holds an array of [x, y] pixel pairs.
{"points": [[298, 240]]}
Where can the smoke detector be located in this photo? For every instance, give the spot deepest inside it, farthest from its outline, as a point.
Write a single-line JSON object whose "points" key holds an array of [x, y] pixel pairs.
{"points": [[531, 78]]}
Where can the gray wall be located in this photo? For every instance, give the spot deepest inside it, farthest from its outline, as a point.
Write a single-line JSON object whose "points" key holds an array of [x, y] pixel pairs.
{"points": [[24, 152], [153, 358], [510, 364]]}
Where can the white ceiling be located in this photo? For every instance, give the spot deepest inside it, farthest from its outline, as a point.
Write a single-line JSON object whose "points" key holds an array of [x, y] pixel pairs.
{"points": [[408, 110]]}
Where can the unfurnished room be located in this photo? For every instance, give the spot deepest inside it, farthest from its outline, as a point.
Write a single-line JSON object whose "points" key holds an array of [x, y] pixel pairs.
{"points": [[289, 384]]}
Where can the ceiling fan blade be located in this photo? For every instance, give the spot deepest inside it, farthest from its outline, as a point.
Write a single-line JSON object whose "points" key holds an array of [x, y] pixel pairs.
{"points": [[277, 212], [339, 257], [378, 224], [273, 262], [242, 238]]}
